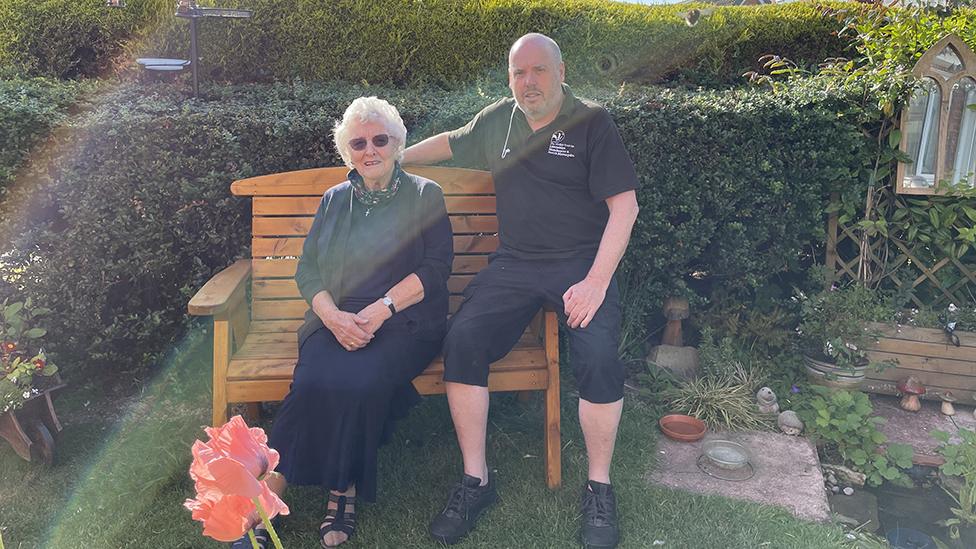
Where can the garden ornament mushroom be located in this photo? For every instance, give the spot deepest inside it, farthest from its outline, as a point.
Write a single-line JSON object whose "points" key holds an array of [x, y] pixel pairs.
{"points": [[789, 423], [947, 400], [911, 388], [676, 309], [766, 399]]}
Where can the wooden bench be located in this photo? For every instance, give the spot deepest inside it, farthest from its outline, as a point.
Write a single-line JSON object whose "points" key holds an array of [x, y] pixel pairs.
{"points": [[257, 309]]}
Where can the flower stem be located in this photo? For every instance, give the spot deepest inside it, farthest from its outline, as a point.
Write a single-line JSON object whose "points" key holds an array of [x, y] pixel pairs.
{"points": [[267, 524], [250, 534]]}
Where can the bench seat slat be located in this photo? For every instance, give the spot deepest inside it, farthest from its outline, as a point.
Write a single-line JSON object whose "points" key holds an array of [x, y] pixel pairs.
{"points": [[307, 205], [276, 345], [281, 367], [316, 181], [285, 268], [287, 288], [299, 226], [292, 246], [286, 309]]}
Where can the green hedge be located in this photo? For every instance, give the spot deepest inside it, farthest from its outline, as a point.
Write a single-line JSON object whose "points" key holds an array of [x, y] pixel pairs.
{"points": [[29, 110], [449, 42], [71, 38], [734, 183], [134, 214], [405, 42]]}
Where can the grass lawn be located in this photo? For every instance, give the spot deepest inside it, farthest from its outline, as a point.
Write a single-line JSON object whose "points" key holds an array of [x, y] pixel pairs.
{"points": [[120, 479]]}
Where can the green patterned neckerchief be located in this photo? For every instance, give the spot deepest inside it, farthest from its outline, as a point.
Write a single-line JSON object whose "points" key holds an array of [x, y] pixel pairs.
{"points": [[369, 198]]}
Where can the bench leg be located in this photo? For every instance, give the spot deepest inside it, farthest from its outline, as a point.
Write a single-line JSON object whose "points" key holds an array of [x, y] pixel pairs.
{"points": [[553, 441], [219, 409], [222, 351], [554, 475]]}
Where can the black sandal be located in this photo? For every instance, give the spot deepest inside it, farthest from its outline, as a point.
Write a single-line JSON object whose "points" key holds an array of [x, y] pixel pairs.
{"points": [[338, 519], [261, 535]]}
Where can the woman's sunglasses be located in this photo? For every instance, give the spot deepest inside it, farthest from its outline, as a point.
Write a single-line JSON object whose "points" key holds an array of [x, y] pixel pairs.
{"points": [[379, 141]]}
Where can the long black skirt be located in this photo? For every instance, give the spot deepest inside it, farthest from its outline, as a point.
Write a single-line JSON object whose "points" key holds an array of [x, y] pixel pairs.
{"points": [[342, 406]]}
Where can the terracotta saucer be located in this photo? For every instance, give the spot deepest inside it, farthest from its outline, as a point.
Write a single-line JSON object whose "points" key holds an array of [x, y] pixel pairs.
{"points": [[682, 427]]}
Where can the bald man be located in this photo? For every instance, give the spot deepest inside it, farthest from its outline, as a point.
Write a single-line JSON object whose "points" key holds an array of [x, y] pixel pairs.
{"points": [[565, 190]]}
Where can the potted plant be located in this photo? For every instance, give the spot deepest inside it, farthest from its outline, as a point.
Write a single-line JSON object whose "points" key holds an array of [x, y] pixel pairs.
{"points": [[27, 379], [834, 334]]}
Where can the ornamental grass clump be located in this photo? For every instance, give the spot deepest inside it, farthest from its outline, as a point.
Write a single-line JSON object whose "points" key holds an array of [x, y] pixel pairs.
{"points": [[721, 401]]}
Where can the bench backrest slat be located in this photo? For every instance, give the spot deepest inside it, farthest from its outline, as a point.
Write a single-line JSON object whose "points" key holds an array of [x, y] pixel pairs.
{"points": [[283, 206]]}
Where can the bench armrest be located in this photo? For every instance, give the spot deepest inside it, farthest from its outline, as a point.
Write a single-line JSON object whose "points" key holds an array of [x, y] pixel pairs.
{"points": [[216, 295]]}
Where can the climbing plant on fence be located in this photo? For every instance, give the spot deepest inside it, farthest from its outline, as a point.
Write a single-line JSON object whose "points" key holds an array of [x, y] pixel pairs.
{"points": [[924, 247]]}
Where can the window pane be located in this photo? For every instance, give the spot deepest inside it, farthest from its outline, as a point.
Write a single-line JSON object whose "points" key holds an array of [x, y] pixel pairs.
{"points": [[922, 129], [958, 164], [948, 62]]}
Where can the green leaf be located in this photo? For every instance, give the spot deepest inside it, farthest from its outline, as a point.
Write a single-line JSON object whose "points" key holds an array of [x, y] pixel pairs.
{"points": [[882, 172], [11, 311], [35, 333], [894, 138], [970, 212], [900, 454]]}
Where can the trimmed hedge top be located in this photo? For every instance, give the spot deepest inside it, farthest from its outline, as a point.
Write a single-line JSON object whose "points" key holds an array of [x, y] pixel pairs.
{"points": [[71, 38], [409, 42]]}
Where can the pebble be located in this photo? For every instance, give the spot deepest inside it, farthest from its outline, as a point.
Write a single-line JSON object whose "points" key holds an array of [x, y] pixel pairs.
{"points": [[848, 491], [835, 489], [831, 478]]}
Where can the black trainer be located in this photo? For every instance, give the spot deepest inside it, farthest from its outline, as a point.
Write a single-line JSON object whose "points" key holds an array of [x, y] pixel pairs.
{"points": [[467, 502], [599, 508]]}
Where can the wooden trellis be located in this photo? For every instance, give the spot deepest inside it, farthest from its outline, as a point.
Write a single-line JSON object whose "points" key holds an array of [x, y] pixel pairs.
{"points": [[890, 262]]}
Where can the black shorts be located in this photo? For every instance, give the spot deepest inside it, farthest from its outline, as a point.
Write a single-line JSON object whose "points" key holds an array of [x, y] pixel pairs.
{"points": [[501, 301]]}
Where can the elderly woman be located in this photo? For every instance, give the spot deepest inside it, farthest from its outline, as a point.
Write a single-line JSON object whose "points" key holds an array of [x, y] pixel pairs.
{"points": [[374, 271]]}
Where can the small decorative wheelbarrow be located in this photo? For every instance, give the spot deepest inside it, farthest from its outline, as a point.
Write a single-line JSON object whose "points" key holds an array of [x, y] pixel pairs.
{"points": [[31, 429]]}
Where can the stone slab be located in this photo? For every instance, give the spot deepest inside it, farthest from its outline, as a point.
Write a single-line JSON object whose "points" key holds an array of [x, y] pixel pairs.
{"points": [[787, 472], [915, 428]]}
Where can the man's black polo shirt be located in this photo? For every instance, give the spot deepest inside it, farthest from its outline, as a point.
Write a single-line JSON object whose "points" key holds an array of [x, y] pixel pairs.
{"points": [[551, 184]]}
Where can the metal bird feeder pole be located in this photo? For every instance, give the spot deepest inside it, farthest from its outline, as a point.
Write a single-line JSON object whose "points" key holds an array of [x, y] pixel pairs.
{"points": [[190, 10]]}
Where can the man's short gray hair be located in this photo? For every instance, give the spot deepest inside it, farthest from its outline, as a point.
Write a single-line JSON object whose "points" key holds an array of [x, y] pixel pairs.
{"points": [[551, 44], [364, 110]]}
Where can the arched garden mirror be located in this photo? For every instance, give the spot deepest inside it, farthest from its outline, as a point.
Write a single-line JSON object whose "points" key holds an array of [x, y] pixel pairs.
{"points": [[938, 125]]}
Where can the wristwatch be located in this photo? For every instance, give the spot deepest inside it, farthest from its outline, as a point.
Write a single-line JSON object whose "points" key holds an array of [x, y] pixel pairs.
{"points": [[389, 303]]}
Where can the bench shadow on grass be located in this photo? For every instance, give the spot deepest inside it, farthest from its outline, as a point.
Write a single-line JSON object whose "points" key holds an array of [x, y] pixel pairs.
{"points": [[120, 480]]}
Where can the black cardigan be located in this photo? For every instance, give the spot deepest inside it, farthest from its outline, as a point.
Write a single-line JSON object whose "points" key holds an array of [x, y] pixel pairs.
{"points": [[426, 249]]}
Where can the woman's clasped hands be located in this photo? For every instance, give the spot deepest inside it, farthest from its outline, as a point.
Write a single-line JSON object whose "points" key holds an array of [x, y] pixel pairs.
{"points": [[355, 330]]}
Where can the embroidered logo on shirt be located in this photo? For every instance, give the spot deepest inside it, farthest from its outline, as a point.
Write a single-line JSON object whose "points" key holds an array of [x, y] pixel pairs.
{"points": [[558, 148]]}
